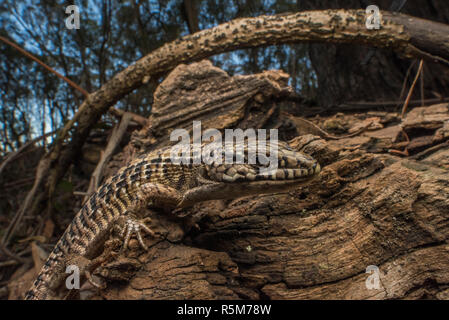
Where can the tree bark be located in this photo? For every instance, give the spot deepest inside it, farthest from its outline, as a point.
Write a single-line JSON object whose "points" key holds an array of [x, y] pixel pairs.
{"points": [[367, 209]]}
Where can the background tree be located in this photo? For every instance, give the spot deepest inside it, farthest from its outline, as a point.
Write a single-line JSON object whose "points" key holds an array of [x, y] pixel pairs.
{"points": [[365, 74]]}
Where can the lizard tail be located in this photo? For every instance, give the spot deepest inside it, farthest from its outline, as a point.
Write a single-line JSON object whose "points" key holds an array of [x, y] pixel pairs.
{"points": [[40, 288]]}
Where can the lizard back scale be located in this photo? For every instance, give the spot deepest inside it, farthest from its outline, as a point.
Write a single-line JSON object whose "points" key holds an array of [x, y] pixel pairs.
{"points": [[154, 178]]}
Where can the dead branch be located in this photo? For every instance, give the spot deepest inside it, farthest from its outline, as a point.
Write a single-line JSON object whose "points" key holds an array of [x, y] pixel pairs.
{"points": [[306, 127], [409, 95], [32, 57], [134, 117]]}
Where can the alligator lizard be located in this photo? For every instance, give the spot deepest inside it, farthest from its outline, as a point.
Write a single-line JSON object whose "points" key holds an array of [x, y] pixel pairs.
{"points": [[155, 179]]}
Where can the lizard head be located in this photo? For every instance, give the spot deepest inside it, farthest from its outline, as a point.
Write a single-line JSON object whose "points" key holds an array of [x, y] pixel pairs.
{"points": [[274, 172]]}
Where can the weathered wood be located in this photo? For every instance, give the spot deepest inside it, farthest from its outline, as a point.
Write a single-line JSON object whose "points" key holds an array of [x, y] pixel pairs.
{"points": [[312, 243], [202, 92]]}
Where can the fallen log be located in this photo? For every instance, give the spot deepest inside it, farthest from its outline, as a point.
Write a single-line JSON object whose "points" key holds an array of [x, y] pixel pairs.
{"points": [[372, 226]]}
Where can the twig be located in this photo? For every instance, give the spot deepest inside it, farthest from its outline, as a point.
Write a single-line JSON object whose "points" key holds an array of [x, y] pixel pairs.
{"points": [[422, 86], [29, 55], [134, 117], [430, 150], [8, 263], [44, 164], [304, 126], [404, 83], [407, 100], [11, 255], [80, 193], [18, 183]]}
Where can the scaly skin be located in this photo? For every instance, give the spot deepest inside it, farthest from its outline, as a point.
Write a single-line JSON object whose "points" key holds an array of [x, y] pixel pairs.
{"points": [[154, 179]]}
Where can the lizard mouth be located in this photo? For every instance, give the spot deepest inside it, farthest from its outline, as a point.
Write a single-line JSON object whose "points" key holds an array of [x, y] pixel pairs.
{"points": [[249, 173], [213, 189]]}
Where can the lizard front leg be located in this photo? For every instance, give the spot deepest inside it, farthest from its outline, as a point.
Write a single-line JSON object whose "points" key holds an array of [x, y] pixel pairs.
{"points": [[157, 195]]}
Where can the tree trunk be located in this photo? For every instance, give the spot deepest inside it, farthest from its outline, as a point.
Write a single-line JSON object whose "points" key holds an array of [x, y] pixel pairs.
{"points": [[348, 73]]}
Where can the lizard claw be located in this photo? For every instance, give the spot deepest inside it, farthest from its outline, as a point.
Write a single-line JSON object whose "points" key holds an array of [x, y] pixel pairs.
{"points": [[134, 226]]}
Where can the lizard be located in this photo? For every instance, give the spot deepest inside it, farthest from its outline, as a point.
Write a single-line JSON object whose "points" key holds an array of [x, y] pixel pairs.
{"points": [[159, 180]]}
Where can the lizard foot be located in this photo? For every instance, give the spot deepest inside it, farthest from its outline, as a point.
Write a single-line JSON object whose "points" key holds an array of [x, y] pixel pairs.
{"points": [[85, 267], [133, 225]]}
